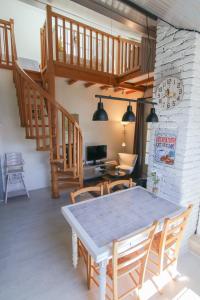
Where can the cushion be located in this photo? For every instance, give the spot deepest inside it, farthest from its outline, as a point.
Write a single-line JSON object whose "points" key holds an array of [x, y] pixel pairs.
{"points": [[125, 168], [127, 159]]}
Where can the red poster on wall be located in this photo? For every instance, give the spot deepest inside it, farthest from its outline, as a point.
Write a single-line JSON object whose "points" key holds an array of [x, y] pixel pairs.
{"points": [[165, 146]]}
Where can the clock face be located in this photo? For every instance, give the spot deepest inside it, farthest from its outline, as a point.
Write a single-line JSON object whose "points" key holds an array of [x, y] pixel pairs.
{"points": [[169, 93]]}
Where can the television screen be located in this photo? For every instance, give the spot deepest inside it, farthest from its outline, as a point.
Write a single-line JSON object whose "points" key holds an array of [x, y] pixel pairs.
{"points": [[96, 152]]}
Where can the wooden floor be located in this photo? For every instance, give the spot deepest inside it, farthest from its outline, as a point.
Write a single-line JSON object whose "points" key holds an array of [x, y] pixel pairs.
{"points": [[35, 256]]}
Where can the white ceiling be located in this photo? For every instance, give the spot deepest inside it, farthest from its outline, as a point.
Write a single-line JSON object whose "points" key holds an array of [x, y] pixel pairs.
{"points": [[180, 13]]}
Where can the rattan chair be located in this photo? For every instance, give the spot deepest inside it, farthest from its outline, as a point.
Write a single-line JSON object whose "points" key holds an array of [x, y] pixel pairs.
{"points": [[166, 244], [120, 184], [128, 259]]}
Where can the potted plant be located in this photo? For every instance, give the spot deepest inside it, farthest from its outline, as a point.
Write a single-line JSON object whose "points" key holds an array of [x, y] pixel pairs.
{"points": [[155, 180]]}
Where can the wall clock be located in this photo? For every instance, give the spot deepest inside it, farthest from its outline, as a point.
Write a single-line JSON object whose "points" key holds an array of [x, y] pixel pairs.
{"points": [[169, 93]]}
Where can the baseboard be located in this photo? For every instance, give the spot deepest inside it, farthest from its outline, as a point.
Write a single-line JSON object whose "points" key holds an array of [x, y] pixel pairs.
{"points": [[194, 244]]}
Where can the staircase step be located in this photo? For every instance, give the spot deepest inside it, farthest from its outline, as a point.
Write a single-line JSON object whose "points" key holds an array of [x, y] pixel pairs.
{"points": [[62, 173], [38, 137], [40, 126], [68, 179], [68, 184], [47, 148]]}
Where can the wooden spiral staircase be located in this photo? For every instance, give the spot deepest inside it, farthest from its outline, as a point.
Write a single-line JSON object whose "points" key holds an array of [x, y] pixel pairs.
{"points": [[45, 120], [75, 51]]}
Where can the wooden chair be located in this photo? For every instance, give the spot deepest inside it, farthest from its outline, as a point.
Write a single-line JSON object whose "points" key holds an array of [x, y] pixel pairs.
{"points": [[166, 245], [129, 259], [124, 182], [98, 191], [84, 193]]}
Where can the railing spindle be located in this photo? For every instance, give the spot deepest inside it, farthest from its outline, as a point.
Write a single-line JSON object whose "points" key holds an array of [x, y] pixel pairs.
{"points": [[71, 44], [108, 42], [64, 42], [102, 54], [42, 116], [97, 50], [64, 141], [37, 131], [78, 45], [91, 56], [56, 37], [113, 55], [84, 51], [74, 146], [70, 159]]}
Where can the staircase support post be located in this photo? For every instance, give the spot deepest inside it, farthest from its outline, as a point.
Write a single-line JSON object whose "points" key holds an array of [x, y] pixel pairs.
{"points": [[51, 90]]}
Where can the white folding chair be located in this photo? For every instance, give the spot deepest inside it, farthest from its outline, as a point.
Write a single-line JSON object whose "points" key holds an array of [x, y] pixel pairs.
{"points": [[14, 167]]}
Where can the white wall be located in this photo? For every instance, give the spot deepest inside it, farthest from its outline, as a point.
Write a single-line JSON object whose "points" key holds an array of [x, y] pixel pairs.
{"points": [[78, 99], [27, 20], [12, 136], [177, 54]]}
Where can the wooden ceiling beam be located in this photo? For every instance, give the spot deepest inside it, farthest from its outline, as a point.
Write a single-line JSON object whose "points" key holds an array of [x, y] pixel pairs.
{"points": [[131, 86], [104, 87], [71, 81], [146, 80], [129, 75], [118, 89], [88, 84], [130, 92]]}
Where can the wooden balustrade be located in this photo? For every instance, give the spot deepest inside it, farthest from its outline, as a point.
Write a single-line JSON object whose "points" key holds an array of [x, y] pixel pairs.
{"points": [[7, 43], [83, 46], [35, 109]]}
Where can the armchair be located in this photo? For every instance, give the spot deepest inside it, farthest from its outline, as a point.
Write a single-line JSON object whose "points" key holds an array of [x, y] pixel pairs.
{"points": [[127, 162]]}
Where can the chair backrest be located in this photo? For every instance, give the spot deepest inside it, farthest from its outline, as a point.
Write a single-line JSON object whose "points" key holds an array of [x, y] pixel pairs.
{"points": [[94, 189], [129, 255], [13, 159], [126, 183], [173, 230], [127, 159]]}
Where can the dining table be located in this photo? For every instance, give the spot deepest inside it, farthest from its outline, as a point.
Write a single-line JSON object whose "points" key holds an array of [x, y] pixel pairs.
{"points": [[99, 221]]}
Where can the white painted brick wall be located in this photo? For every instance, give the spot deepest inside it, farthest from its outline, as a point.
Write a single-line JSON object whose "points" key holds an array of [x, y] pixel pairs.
{"points": [[178, 54]]}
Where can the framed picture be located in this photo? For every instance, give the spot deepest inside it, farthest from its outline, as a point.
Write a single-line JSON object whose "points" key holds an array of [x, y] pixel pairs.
{"points": [[165, 146]]}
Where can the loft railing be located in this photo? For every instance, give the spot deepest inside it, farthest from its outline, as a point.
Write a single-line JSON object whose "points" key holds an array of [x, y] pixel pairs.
{"points": [[80, 45], [7, 43]]}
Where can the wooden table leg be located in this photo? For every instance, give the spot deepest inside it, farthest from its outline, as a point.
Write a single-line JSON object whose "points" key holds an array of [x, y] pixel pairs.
{"points": [[102, 279], [74, 249]]}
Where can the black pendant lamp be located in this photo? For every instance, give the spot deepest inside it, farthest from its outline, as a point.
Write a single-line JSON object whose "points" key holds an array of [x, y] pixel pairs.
{"points": [[129, 115], [100, 114], [152, 117]]}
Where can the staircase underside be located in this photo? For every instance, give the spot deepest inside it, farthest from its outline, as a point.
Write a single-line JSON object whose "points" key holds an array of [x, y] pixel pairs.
{"points": [[134, 82]]}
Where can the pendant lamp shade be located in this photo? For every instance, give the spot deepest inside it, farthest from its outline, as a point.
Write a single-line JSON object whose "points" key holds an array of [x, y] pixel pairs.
{"points": [[100, 114], [152, 117], [129, 116]]}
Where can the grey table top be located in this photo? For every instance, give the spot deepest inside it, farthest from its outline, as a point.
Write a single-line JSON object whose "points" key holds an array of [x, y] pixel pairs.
{"points": [[119, 214]]}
